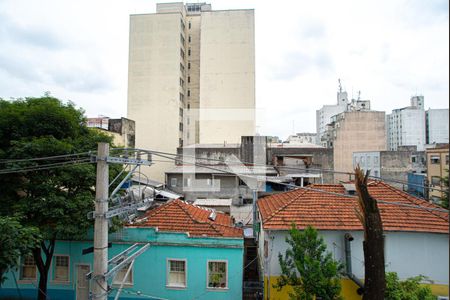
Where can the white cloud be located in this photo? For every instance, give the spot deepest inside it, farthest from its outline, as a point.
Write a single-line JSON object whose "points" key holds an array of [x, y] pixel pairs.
{"points": [[389, 50]]}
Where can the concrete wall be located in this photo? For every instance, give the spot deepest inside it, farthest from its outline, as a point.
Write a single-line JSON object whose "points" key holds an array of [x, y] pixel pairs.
{"points": [[357, 131], [437, 126], [322, 158], [227, 74], [154, 83], [428, 251]]}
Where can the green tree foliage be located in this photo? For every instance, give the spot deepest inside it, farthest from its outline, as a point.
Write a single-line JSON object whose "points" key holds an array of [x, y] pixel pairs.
{"points": [[15, 241], [308, 268], [55, 201], [410, 289]]}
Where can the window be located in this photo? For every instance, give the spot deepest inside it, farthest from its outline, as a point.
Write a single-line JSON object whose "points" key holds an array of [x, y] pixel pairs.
{"points": [[189, 52], [189, 25], [176, 273], [181, 126], [189, 65], [435, 159], [413, 159], [28, 268], [435, 180], [121, 275], [446, 159], [189, 79], [173, 182], [435, 200], [217, 274], [189, 93], [181, 112], [189, 39], [182, 53], [61, 268]]}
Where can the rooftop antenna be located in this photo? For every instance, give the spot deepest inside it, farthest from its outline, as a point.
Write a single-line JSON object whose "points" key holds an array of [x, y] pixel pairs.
{"points": [[340, 85], [359, 95]]}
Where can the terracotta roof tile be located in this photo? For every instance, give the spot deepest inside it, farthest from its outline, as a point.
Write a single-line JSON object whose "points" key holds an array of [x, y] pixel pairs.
{"points": [[179, 216], [334, 212]]}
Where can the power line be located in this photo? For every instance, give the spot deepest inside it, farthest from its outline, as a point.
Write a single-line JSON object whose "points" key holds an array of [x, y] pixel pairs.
{"points": [[44, 166], [311, 189], [319, 170], [6, 161]]}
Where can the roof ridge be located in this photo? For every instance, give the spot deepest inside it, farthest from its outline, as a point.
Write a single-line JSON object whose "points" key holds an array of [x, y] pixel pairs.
{"points": [[416, 201], [211, 224], [285, 205]]}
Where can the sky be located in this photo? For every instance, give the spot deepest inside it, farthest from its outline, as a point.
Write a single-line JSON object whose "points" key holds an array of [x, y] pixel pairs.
{"points": [[388, 50]]}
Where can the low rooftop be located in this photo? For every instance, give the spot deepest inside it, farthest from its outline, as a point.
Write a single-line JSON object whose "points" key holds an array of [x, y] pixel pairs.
{"points": [[335, 212], [180, 216]]}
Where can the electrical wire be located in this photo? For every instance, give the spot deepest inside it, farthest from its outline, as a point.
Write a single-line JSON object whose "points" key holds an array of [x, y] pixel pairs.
{"points": [[44, 166], [319, 170], [6, 161], [311, 189]]}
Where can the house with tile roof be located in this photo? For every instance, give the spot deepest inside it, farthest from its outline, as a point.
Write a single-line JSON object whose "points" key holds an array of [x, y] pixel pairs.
{"points": [[194, 253], [416, 233]]}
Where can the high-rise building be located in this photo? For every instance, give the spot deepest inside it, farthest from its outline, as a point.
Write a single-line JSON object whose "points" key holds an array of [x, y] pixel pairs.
{"points": [[413, 126], [437, 126], [325, 115], [191, 77]]}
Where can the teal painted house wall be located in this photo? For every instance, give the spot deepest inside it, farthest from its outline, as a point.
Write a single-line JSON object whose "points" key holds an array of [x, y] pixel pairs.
{"points": [[150, 268]]}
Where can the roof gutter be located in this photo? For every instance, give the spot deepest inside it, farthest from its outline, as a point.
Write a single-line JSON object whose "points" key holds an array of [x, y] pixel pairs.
{"points": [[348, 264]]}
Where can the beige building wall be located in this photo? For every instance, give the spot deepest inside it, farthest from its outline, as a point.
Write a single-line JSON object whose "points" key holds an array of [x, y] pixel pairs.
{"points": [[358, 131], [156, 83], [437, 168], [227, 75]]}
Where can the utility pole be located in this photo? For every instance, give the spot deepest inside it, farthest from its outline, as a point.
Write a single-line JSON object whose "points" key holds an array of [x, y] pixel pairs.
{"points": [[373, 245], [100, 286]]}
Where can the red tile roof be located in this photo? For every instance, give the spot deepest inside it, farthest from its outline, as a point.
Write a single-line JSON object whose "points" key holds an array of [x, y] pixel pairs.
{"points": [[179, 216], [334, 212]]}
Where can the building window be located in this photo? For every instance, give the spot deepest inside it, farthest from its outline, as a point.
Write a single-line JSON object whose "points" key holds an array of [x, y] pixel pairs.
{"points": [[189, 65], [217, 274], [189, 106], [446, 159], [61, 268], [189, 25], [181, 126], [182, 53], [189, 79], [173, 182], [28, 268], [181, 112], [181, 97], [189, 39], [413, 159], [435, 159], [120, 276], [176, 273], [189, 93], [435, 180], [436, 200], [187, 182], [189, 52]]}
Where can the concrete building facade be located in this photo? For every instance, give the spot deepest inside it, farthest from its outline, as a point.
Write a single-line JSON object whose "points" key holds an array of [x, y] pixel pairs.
{"points": [[406, 126], [186, 64], [437, 169], [437, 123], [355, 131], [393, 166]]}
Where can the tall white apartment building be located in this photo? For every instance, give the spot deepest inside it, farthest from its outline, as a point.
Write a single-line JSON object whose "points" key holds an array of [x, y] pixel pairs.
{"points": [[191, 77], [437, 126], [324, 116], [406, 126]]}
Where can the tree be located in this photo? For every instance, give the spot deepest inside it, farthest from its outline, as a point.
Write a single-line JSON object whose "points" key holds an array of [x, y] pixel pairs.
{"points": [[15, 241], [55, 200], [410, 289], [308, 268], [373, 244]]}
